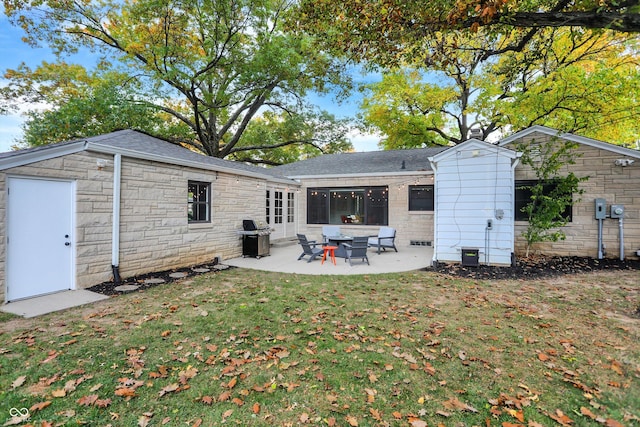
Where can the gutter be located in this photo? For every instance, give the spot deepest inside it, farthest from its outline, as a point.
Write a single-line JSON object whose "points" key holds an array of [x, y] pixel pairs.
{"points": [[100, 148]]}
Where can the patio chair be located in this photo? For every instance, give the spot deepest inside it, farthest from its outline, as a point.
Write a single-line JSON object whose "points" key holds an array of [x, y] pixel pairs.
{"points": [[309, 248], [385, 239], [328, 231], [357, 249]]}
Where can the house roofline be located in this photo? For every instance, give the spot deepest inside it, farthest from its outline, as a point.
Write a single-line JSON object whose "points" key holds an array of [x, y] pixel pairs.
{"points": [[106, 149], [22, 159], [362, 175], [623, 151], [51, 152]]}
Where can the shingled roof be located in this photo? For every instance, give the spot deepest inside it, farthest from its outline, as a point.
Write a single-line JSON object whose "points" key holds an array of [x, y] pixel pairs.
{"points": [[361, 163], [131, 143]]}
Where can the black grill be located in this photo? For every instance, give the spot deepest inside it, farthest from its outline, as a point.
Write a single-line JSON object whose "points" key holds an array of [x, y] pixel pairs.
{"points": [[255, 240]]}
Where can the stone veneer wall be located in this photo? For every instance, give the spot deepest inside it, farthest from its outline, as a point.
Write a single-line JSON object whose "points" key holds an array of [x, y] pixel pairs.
{"points": [[154, 234], [616, 184], [409, 225]]}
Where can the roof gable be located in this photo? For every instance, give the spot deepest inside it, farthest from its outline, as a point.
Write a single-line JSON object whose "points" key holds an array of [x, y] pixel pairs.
{"points": [[474, 144], [623, 151]]}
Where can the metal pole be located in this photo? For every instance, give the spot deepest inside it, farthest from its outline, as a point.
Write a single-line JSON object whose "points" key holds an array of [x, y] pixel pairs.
{"points": [[620, 223], [600, 254]]}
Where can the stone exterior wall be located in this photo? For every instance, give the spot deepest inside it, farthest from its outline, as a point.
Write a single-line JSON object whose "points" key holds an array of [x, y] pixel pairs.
{"points": [[154, 231], [616, 184], [409, 225]]}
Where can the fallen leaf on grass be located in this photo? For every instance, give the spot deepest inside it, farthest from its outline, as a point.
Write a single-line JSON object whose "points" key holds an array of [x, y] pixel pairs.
{"points": [[255, 408], [171, 388], [587, 412], [417, 422], [455, 403], [232, 383], [371, 395], [40, 406], [375, 414], [353, 421], [18, 381], [51, 355], [143, 421], [617, 367], [561, 418], [102, 403], [87, 400], [125, 392], [519, 415], [59, 393]]}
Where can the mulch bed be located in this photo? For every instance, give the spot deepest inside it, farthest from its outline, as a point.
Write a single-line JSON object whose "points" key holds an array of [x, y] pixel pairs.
{"points": [[146, 281], [537, 268]]}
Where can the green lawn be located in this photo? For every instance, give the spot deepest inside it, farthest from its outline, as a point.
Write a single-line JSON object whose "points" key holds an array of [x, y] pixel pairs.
{"points": [[241, 347]]}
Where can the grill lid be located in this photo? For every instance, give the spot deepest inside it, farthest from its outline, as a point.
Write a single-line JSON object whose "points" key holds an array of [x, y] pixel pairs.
{"points": [[249, 225]]}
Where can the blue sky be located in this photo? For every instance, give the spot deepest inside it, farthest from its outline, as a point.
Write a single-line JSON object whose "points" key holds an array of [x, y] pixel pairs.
{"points": [[13, 51]]}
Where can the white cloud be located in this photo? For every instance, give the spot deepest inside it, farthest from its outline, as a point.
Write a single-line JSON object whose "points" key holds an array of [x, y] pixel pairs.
{"points": [[10, 130], [364, 141]]}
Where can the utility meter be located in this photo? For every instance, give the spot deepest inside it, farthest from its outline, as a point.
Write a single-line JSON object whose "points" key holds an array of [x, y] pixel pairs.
{"points": [[601, 209], [617, 211]]}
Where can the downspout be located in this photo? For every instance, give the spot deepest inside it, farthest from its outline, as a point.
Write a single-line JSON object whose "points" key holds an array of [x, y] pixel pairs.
{"points": [[115, 232], [514, 163], [434, 167]]}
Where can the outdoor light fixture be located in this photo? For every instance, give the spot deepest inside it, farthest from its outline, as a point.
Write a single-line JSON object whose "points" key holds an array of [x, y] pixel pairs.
{"points": [[102, 163], [624, 162]]}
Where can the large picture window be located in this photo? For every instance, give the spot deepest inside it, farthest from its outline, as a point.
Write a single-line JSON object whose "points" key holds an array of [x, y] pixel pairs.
{"points": [[361, 205], [523, 195], [421, 197], [199, 202]]}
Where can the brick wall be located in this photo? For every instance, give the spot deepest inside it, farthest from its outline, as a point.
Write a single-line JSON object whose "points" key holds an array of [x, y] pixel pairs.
{"points": [[616, 184], [409, 225], [154, 230]]}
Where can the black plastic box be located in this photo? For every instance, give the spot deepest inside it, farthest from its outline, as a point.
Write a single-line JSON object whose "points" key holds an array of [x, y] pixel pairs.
{"points": [[470, 257]]}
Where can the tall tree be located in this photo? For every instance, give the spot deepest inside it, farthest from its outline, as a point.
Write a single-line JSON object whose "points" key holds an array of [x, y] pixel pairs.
{"points": [[212, 67], [390, 32], [574, 80]]}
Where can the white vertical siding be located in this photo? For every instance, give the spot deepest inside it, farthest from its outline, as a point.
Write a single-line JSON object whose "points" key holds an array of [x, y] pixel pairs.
{"points": [[474, 183]]}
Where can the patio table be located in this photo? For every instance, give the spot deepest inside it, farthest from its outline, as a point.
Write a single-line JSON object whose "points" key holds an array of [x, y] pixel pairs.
{"points": [[337, 241]]}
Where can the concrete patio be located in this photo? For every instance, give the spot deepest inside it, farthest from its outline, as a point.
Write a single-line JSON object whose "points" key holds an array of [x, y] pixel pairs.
{"points": [[283, 259]]}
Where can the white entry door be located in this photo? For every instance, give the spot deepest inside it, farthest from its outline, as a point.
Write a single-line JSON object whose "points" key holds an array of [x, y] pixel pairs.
{"points": [[39, 237], [281, 213]]}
